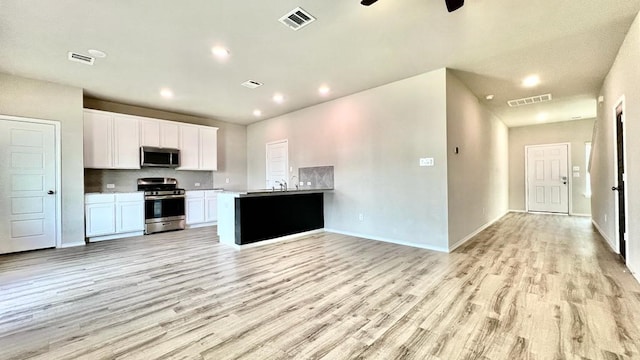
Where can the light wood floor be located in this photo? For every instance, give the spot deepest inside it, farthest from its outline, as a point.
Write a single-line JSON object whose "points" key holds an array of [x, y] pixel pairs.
{"points": [[529, 287]]}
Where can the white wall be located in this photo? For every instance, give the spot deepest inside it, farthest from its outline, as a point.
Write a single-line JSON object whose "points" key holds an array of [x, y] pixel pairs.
{"points": [[577, 133], [374, 139], [44, 100], [478, 175], [623, 80]]}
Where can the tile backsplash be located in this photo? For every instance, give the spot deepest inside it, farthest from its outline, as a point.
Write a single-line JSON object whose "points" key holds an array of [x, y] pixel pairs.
{"points": [[320, 177], [96, 180]]}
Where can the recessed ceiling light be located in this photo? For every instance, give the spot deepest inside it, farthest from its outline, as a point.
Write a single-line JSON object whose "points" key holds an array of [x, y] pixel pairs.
{"points": [[531, 81], [257, 113], [324, 90], [166, 93], [97, 53], [220, 52], [542, 117], [489, 97], [279, 98]]}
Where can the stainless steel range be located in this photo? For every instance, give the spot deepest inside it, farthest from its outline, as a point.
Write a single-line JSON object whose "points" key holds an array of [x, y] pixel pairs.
{"points": [[163, 204]]}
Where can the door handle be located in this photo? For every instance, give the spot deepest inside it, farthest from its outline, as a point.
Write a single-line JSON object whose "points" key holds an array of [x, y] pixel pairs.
{"points": [[51, 192], [613, 188]]}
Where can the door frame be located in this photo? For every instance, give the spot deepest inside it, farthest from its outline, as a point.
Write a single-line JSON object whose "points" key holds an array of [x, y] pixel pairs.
{"points": [[266, 157], [58, 170], [621, 102], [569, 179]]}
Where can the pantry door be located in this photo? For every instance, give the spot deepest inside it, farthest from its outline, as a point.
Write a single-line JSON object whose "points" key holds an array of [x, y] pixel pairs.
{"points": [[28, 199], [548, 178]]}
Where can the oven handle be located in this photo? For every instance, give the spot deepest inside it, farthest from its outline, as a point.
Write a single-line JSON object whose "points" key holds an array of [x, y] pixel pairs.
{"points": [[162, 197]]}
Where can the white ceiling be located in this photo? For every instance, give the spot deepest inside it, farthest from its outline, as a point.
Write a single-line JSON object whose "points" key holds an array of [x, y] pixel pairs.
{"points": [[152, 44]]}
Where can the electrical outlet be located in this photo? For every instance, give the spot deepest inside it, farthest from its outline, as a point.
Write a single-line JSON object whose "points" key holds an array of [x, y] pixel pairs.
{"points": [[426, 161], [605, 217], [301, 183], [111, 186], [308, 183], [226, 180], [197, 184], [361, 217]]}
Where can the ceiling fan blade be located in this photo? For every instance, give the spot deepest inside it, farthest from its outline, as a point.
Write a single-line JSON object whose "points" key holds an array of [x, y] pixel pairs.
{"points": [[367, 2], [453, 5]]}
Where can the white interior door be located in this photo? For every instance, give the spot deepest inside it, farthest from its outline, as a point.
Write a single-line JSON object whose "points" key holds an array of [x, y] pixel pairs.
{"points": [[547, 178], [27, 186], [277, 163]]}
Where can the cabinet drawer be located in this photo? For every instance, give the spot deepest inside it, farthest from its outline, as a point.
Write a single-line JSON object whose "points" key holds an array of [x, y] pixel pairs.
{"points": [[99, 198], [138, 196]]}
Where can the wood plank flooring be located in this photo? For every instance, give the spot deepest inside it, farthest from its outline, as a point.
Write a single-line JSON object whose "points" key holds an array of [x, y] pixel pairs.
{"points": [[528, 287]]}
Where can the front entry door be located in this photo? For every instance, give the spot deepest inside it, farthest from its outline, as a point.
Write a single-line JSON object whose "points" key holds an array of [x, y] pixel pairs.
{"points": [[547, 178], [27, 186]]}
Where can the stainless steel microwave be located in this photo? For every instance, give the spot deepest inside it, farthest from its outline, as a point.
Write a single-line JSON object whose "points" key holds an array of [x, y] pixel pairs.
{"points": [[159, 157]]}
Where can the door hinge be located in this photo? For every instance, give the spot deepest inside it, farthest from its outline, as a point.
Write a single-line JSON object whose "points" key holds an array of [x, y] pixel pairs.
{"points": [[624, 176], [625, 237]]}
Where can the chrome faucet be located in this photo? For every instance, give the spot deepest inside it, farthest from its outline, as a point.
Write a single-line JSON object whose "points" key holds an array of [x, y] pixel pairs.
{"points": [[282, 184], [294, 182]]}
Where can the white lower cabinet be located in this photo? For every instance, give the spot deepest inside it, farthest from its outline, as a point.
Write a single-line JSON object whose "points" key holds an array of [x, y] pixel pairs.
{"points": [[112, 216], [202, 207]]}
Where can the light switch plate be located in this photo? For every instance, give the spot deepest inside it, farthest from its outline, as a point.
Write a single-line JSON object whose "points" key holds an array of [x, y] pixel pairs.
{"points": [[576, 174], [426, 161], [576, 168], [111, 186]]}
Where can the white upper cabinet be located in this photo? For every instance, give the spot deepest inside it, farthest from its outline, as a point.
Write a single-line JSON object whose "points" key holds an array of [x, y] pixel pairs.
{"points": [[189, 148], [159, 133], [111, 141], [149, 132], [198, 147], [169, 135]]}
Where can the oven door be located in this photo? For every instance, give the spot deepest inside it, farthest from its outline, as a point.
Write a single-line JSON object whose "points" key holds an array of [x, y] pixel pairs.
{"points": [[160, 208]]}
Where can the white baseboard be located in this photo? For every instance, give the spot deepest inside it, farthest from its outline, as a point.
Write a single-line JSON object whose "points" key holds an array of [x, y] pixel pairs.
{"points": [[74, 244], [517, 211], [478, 230], [604, 236], [116, 236], [577, 214], [392, 241], [271, 241]]}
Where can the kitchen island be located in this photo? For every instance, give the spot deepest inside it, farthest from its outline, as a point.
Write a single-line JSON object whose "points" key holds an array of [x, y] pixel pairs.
{"points": [[255, 216]]}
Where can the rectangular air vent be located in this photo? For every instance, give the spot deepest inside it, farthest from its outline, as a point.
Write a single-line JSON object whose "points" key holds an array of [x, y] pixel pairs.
{"points": [[251, 84], [529, 100], [297, 18], [85, 59]]}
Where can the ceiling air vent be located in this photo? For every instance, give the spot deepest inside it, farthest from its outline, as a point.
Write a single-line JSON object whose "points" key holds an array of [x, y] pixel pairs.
{"points": [[251, 84], [529, 100], [297, 18], [85, 59]]}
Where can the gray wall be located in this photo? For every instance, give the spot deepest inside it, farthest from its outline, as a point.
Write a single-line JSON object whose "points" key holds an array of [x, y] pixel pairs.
{"points": [[374, 139], [232, 140], [623, 80], [577, 133], [44, 100], [478, 175]]}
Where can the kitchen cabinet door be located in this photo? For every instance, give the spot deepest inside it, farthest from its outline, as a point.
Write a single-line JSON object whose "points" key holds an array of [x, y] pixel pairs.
{"points": [[129, 212], [149, 132], [210, 206], [189, 147], [126, 140], [208, 148], [98, 140], [169, 135], [100, 219], [194, 207]]}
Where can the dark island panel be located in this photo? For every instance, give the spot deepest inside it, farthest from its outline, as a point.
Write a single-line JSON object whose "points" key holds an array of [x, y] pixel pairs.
{"points": [[267, 217]]}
